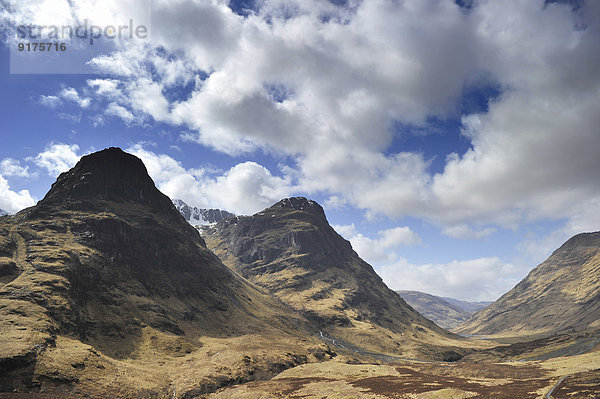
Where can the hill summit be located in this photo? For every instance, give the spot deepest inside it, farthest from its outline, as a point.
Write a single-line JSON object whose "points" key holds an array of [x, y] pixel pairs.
{"points": [[107, 175]]}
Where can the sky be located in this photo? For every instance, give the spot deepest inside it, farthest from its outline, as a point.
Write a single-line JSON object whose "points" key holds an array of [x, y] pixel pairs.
{"points": [[456, 144]]}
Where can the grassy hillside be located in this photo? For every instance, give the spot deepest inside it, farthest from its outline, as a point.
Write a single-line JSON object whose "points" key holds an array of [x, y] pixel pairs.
{"points": [[561, 294]]}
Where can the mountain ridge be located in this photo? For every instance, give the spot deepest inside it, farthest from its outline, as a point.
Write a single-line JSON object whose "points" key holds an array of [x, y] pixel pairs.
{"points": [[560, 294], [290, 250], [468, 306], [436, 309]]}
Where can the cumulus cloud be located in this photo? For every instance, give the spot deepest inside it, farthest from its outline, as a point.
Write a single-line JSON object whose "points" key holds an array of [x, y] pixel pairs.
{"points": [[463, 231], [12, 201], [50, 101], [327, 92], [114, 109], [57, 158], [245, 188], [345, 230], [71, 94], [325, 83], [105, 87], [12, 168], [147, 96], [481, 279], [380, 249]]}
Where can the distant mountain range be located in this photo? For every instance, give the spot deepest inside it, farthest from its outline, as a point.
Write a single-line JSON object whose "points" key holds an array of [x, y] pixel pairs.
{"points": [[199, 216], [561, 294], [3, 212], [469, 307], [445, 312]]}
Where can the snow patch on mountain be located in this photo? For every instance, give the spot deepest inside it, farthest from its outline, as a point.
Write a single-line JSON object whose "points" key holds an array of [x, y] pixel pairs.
{"points": [[201, 217]]}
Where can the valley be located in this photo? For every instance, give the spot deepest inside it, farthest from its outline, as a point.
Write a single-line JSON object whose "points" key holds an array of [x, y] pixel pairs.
{"points": [[106, 290]]}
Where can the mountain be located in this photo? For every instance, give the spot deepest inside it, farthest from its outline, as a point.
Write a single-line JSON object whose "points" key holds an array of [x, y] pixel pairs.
{"points": [[290, 250], [3, 212], [198, 216], [106, 291], [443, 313], [561, 294], [469, 307]]}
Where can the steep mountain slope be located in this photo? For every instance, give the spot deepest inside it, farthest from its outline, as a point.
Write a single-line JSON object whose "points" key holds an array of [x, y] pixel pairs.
{"points": [[198, 216], [467, 306], [291, 250], [443, 313], [106, 290], [561, 294]]}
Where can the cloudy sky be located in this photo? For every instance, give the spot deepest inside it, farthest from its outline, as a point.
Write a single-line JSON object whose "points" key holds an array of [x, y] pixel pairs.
{"points": [[454, 143]]}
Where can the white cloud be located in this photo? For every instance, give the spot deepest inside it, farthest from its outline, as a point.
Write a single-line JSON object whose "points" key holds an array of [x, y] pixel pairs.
{"points": [[105, 87], [322, 84], [114, 109], [12, 201], [71, 94], [174, 71], [463, 231], [12, 167], [50, 101], [119, 64], [57, 158], [346, 231], [246, 188], [380, 249], [147, 97], [481, 279]]}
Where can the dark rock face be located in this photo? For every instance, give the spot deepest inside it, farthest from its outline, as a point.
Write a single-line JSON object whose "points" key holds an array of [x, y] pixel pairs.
{"points": [[293, 225], [216, 215], [107, 175]]}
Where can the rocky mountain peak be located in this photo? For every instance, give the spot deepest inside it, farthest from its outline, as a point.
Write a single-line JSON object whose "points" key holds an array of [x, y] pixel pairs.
{"points": [[108, 175], [300, 204]]}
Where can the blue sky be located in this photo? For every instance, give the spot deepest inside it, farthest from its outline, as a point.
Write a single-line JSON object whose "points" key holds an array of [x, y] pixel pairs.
{"points": [[455, 145]]}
